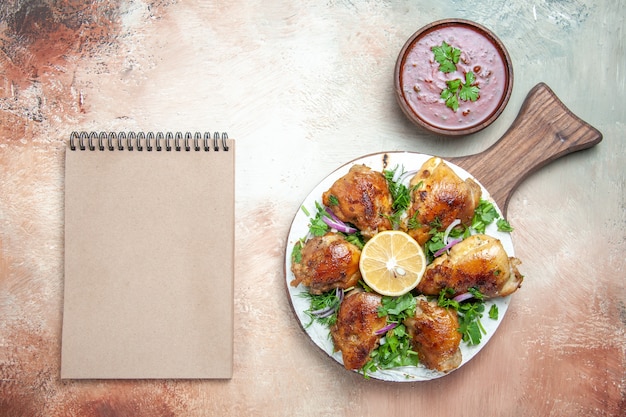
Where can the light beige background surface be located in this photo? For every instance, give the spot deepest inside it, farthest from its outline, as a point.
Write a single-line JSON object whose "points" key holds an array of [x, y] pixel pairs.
{"points": [[305, 87]]}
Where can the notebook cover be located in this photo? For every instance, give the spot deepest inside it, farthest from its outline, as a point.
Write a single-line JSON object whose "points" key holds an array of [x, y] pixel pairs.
{"points": [[149, 246]]}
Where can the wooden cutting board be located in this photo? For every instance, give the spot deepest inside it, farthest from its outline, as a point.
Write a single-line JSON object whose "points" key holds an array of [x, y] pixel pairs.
{"points": [[544, 130]]}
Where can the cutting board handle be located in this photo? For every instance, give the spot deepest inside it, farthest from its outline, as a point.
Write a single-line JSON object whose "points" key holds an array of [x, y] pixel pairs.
{"points": [[543, 131]]}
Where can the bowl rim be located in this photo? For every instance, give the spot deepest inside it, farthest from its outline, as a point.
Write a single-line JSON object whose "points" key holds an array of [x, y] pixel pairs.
{"points": [[407, 47]]}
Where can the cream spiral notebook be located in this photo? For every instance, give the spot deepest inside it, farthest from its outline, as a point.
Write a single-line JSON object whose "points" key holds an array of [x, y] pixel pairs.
{"points": [[149, 248]]}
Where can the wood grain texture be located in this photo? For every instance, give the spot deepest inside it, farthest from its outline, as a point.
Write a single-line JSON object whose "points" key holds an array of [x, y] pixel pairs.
{"points": [[544, 130]]}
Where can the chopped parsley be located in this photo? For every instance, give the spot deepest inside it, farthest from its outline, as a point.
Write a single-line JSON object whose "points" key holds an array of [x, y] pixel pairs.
{"points": [[432, 245], [296, 252], [397, 308], [504, 226], [400, 195], [395, 347], [413, 222], [435, 224], [469, 313], [446, 56], [493, 312], [458, 90], [321, 303], [469, 91], [484, 215], [317, 226], [435, 243], [356, 239]]}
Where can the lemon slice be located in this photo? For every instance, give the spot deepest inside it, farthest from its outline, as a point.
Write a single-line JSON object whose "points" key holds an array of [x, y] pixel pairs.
{"points": [[392, 263]]}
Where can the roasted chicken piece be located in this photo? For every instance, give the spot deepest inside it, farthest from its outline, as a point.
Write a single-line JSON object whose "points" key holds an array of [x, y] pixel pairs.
{"points": [[435, 336], [327, 262], [438, 197], [479, 261], [354, 333], [361, 197]]}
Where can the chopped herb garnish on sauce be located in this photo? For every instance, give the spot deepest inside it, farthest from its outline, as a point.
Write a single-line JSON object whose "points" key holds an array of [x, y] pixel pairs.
{"points": [[446, 56], [457, 89], [469, 91]]}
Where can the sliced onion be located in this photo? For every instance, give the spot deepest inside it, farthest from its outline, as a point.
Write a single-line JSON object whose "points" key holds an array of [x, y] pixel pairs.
{"points": [[406, 175], [385, 329], [328, 311], [339, 293], [342, 227], [334, 222], [446, 238], [324, 312], [462, 297], [447, 247], [451, 226]]}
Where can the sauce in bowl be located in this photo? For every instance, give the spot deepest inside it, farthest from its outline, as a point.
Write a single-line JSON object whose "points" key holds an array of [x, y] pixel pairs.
{"points": [[420, 82]]}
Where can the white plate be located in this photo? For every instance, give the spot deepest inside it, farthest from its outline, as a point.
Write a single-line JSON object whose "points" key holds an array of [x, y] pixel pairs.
{"points": [[300, 228]]}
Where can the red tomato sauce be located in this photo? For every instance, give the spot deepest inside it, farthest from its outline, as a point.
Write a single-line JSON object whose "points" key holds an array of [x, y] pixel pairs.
{"points": [[422, 82]]}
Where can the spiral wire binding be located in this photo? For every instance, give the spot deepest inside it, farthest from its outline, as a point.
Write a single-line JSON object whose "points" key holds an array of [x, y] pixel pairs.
{"points": [[148, 141]]}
